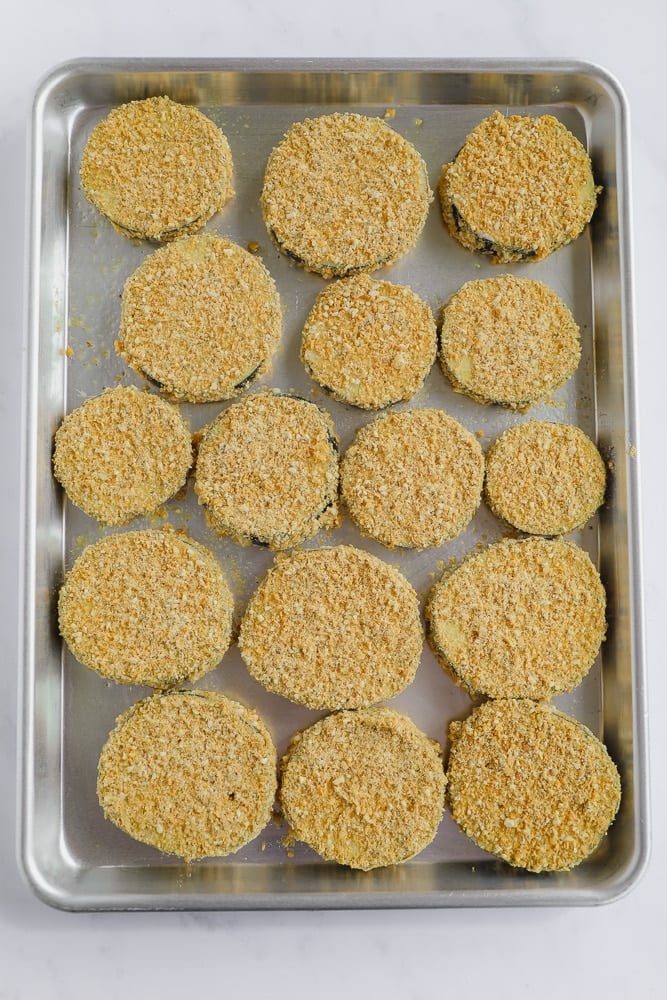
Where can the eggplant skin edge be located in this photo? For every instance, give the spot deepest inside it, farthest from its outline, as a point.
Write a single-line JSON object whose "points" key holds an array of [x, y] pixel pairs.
{"points": [[483, 244]]}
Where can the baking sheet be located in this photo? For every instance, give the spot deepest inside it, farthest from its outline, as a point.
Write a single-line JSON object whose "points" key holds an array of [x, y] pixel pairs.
{"points": [[71, 856]]}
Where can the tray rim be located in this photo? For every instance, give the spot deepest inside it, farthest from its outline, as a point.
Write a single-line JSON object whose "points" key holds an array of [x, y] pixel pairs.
{"points": [[615, 887]]}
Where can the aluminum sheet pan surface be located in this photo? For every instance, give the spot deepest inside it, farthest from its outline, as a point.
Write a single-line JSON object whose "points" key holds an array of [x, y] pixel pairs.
{"points": [[78, 263]]}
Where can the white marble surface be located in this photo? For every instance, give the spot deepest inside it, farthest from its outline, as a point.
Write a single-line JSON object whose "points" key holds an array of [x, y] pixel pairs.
{"points": [[613, 951]]}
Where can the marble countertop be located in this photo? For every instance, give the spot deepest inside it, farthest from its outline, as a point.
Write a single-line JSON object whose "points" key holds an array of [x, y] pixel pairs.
{"points": [[616, 950]]}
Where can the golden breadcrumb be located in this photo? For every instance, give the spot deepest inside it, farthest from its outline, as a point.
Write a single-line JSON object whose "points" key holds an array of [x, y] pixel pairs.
{"points": [[267, 471], [344, 193], [122, 454], [519, 188], [412, 479], [508, 340], [368, 342], [544, 478], [200, 317]]}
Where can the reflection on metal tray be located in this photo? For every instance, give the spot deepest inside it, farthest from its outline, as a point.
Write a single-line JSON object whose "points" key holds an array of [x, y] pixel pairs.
{"points": [[72, 857]]}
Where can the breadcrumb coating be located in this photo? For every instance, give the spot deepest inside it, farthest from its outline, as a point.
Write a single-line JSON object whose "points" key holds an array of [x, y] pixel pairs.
{"points": [[369, 343], [200, 317], [412, 479], [530, 784], [332, 628], [519, 188], [157, 169], [519, 619], [344, 193], [267, 471], [508, 340], [544, 478], [146, 607], [189, 772], [122, 454], [363, 788]]}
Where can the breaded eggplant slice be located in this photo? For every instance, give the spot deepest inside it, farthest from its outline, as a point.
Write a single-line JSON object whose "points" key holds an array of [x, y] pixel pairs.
{"points": [[530, 784], [518, 189], [412, 479], [332, 628], [122, 454], [267, 471], [519, 619], [344, 193], [191, 773], [508, 340], [146, 607], [157, 169], [544, 478], [369, 343], [201, 318], [363, 788]]}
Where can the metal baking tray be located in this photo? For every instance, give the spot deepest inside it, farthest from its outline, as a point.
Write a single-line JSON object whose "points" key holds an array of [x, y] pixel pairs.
{"points": [[77, 265]]}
